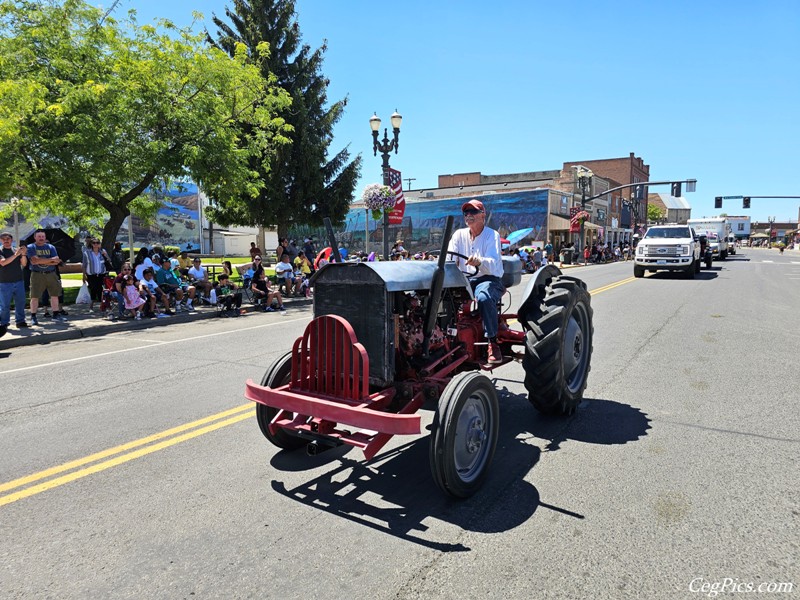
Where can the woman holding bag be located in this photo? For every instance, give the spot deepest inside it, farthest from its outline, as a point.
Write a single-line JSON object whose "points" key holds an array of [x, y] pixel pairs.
{"points": [[94, 270]]}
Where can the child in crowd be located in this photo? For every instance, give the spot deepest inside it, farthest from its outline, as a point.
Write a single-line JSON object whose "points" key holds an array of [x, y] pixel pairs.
{"points": [[133, 299], [228, 295]]}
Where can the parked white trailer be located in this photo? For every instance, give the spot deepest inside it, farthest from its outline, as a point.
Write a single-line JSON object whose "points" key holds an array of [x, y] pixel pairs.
{"points": [[717, 225]]}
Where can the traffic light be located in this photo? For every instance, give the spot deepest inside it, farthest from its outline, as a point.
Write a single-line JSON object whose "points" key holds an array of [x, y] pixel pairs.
{"points": [[676, 190], [718, 202], [746, 202]]}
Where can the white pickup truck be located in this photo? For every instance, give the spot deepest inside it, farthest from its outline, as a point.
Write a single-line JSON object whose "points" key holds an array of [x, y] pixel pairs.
{"points": [[731, 244], [667, 248]]}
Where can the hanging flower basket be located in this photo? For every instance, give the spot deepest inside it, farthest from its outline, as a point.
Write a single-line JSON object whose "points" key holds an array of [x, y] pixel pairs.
{"points": [[378, 199]]}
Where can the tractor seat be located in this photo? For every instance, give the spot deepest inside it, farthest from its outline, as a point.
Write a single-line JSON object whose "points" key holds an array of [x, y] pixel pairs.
{"points": [[512, 271]]}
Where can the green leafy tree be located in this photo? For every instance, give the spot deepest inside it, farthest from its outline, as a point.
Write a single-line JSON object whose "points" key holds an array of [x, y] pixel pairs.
{"points": [[303, 185], [654, 213], [94, 112]]}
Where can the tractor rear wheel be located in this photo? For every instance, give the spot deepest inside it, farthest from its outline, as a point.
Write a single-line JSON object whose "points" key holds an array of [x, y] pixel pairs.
{"points": [[464, 434], [277, 375], [558, 347]]}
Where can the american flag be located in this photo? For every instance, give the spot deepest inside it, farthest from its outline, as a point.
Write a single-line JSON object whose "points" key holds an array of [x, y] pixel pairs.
{"points": [[396, 183]]}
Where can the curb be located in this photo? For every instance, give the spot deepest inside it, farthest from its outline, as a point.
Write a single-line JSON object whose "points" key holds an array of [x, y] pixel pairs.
{"points": [[76, 331]]}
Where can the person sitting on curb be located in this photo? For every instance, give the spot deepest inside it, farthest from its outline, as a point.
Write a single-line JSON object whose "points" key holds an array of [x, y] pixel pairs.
{"points": [[284, 270], [154, 293], [169, 282], [119, 287], [301, 264], [184, 263], [133, 298], [142, 262], [261, 288], [198, 276], [228, 295]]}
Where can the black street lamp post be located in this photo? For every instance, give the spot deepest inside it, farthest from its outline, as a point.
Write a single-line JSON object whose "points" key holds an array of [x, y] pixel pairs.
{"points": [[635, 206], [385, 146], [771, 221], [584, 176]]}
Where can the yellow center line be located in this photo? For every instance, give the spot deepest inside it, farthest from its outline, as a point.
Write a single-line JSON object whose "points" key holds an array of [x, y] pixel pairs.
{"points": [[102, 466], [122, 448], [611, 286], [596, 291]]}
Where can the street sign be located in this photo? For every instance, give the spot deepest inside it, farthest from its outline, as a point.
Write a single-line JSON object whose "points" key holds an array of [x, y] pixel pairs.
{"points": [[732, 197]]}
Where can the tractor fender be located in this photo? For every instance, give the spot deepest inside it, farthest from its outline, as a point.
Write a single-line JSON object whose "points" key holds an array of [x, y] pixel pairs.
{"points": [[535, 290]]}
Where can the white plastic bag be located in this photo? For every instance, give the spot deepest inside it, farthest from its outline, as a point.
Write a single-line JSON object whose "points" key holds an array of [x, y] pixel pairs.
{"points": [[83, 295]]}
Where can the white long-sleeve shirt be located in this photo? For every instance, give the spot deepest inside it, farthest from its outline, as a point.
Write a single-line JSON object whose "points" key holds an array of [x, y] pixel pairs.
{"points": [[486, 246]]}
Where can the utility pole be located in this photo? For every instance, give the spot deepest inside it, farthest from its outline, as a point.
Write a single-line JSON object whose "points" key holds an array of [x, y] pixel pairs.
{"points": [[408, 181]]}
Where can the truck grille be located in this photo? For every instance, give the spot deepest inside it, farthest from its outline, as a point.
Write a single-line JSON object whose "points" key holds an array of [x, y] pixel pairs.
{"points": [[664, 250]]}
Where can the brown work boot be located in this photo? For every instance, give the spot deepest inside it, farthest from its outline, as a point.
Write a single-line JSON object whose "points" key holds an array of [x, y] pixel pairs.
{"points": [[494, 355]]}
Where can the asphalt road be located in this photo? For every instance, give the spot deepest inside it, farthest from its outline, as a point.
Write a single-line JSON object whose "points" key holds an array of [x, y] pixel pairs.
{"points": [[131, 466]]}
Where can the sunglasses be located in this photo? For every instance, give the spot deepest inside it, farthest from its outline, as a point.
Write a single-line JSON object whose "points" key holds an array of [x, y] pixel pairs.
{"points": [[256, 260], [471, 212]]}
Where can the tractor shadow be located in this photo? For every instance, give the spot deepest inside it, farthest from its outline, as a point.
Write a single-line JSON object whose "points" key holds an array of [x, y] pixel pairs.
{"points": [[394, 493]]}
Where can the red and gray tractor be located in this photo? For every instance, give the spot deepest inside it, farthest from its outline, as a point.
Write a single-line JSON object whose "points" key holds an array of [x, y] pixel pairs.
{"points": [[388, 338]]}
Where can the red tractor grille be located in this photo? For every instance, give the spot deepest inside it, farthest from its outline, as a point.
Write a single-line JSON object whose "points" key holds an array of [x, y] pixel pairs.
{"points": [[329, 360]]}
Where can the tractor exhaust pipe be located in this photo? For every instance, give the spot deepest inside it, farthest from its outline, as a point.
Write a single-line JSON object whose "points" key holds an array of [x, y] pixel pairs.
{"points": [[432, 310], [332, 239]]}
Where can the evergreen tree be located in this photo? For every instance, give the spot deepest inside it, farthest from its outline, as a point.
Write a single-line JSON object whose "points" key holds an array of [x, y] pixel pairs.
{"points": [[302, 184]]}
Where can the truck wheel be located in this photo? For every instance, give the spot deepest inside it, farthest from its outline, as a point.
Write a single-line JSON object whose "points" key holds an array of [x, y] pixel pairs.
{"points": [[277, 375], [638, 271], [689, 272], [723, 255], [697, 266], [709, 260], [464, 434], [558, 348]]}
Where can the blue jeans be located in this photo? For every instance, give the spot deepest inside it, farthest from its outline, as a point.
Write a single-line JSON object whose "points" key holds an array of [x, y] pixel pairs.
{"points": [[488, 291], [9, 291], [120, 302]]}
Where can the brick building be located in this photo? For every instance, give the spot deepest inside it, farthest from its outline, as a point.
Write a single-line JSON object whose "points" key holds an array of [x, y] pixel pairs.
{"points": [[622, 171]]}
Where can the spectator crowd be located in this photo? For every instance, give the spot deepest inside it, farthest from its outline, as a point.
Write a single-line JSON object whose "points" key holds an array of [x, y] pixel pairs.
{"points": [[157, 284]]}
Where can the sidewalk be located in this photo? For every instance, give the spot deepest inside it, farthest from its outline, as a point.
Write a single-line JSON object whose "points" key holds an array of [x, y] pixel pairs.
{"points": [[81, 323]]}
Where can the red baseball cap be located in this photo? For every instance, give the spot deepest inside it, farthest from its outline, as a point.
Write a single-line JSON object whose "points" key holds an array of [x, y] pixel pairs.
{"points": [[476, 204]]}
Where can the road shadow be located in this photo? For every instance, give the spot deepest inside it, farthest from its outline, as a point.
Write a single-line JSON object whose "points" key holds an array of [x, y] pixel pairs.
{"points": [[394, 493], [704, 275]]}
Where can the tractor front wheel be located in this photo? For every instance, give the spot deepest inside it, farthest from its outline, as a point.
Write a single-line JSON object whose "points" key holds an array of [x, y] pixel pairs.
{"points": [[464, 434], [558, 347], [277, 375]]}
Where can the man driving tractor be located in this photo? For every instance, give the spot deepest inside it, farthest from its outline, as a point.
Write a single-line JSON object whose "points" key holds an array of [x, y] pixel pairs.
{"points": [[482, 245]]}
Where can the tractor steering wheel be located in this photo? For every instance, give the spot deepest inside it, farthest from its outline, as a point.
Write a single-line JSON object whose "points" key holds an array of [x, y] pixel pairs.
{"points": [[466, 258]]}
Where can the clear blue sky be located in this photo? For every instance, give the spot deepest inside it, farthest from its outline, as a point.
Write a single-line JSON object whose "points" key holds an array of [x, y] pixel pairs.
{"points": [[699, 89]]}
